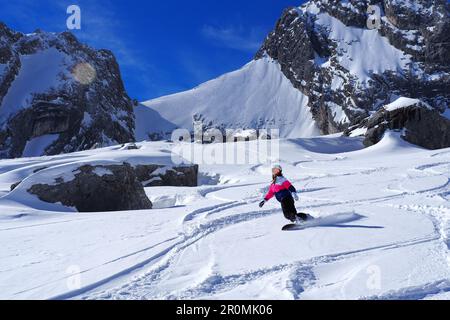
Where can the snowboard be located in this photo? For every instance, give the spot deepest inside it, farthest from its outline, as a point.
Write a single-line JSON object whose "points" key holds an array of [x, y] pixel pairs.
{"points": [[335, 220], [299, 226]]}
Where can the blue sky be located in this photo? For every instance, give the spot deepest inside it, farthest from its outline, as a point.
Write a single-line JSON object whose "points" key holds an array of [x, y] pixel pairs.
{"points": [[162, 46]]}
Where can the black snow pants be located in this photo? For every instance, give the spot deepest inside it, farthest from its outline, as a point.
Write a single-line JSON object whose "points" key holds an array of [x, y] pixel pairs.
{"points": [[289, 210]]}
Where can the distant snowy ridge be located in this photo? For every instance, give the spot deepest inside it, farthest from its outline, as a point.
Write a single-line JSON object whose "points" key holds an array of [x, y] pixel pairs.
{"points": [[320, 71], [258, 96]]}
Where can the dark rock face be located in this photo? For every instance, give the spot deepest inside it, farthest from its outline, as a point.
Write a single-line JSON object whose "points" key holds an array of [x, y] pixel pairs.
{"points": [[86, 104], [116, 188], [419, 125], [101, 188], [421, 30], [158, 176], [293, 44], [313, 60]]}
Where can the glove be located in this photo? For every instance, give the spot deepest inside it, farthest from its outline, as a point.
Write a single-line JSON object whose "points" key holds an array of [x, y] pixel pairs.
{"points": [[295, 195], [262, 203]]}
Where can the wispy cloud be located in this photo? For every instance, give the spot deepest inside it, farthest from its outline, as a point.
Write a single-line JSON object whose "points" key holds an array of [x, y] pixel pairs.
{"points": [[235, 37]]}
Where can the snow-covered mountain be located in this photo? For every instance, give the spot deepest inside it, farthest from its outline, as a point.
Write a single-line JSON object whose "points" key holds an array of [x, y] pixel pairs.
{"points": [[254, 97], [159, 220], [322, 62], [58, 95], [321, 70]]}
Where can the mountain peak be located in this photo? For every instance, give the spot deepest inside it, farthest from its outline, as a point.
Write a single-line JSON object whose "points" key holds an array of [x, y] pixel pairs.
{"points": [[327, 51], [79, 101]]}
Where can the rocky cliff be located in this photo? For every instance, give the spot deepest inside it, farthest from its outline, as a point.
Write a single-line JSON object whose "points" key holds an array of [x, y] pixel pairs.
{"points": [[58, 95], [349, 69]]}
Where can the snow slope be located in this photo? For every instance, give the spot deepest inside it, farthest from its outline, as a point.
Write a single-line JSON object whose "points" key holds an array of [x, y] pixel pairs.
{"points": [[48, 65], [256, 96], [384, 230], [35, 147], [362, 52]]}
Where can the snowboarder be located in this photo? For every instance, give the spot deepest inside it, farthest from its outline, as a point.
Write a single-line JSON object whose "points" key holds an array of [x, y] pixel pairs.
{"points": [[285, 193]]}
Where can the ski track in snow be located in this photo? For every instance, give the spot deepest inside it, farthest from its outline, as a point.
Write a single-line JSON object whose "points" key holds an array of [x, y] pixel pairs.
{"points": [[417, 292], [301, 273], [217, 283], [196, 233], [370, 212]]}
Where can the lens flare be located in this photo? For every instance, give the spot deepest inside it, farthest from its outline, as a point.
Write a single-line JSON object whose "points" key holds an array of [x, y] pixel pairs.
{"points": [[84, 73]]}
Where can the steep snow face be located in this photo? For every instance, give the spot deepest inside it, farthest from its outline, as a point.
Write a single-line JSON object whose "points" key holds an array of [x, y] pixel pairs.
{"points": [[150, 124], [362, 52], [36, 147], [258, 96]]}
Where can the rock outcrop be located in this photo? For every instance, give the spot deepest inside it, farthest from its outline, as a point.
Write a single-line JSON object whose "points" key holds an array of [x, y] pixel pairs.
{"points": [[97, 189], [418, 123], [158, 176], [52, 85]]}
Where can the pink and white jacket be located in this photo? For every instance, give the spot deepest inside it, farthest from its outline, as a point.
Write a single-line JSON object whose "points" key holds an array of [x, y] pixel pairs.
{"points": [[281, 189]]}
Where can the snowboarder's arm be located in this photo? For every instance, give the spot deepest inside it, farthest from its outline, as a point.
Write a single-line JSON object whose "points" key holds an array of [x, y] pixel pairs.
{"points": [[292, 189], [288, 185], [269, 195]]}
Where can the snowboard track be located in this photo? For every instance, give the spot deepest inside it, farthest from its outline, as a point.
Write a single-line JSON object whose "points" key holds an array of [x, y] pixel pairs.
{"points": [[197, 227]]}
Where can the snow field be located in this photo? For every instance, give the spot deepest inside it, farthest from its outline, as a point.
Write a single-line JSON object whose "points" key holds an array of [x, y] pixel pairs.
{"points": [[382, 231]]}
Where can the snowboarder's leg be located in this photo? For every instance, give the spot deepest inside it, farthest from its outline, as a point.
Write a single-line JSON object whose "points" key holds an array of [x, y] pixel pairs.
{"points": [[289, 210]]}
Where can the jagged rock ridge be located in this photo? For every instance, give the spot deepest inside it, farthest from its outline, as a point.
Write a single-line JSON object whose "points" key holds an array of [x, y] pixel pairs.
{"points": [[327, 51], [58, 95]]}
